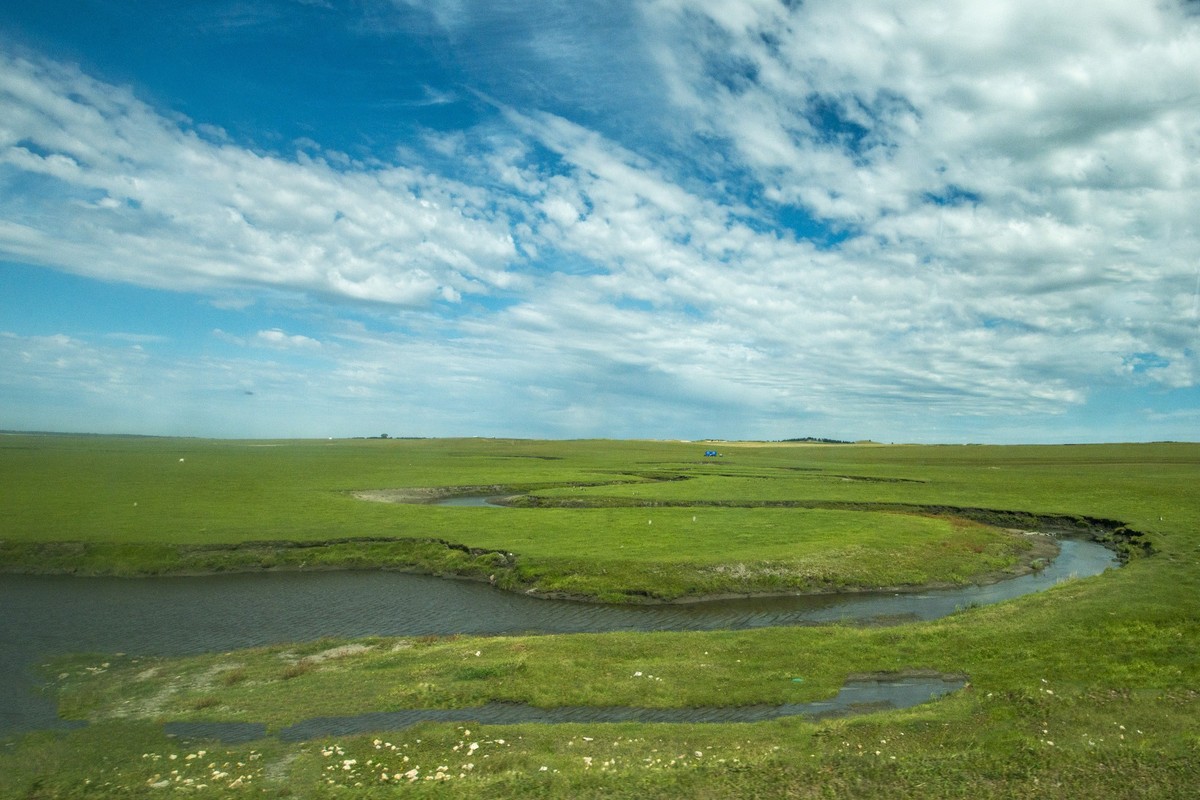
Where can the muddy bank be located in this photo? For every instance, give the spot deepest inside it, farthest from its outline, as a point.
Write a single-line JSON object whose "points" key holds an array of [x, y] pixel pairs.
{"points": [[432, 494], [404, 554], [500, 493]]}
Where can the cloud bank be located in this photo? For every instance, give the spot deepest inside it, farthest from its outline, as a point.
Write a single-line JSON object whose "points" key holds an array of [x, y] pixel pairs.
{"points": [[843, 221]]}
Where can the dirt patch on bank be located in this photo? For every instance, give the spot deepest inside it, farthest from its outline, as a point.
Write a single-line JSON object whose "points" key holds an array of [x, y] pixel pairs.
{"points": [[412, 495], [1044, 550], [333, 653], [424, 495]]}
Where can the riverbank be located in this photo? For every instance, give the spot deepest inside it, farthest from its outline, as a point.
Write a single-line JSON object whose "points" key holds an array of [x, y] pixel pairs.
{"points": [[128, 697], [1022, 553], [48, 616], [284, 684], [937, 546], [600, 521]]}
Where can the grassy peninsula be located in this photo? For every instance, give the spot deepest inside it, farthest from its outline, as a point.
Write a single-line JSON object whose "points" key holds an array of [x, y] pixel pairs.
{"points": [[1088, 689], [610, 521]]}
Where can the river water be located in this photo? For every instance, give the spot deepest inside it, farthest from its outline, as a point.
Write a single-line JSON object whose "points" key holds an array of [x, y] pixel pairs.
{"points": [[45, 616]]}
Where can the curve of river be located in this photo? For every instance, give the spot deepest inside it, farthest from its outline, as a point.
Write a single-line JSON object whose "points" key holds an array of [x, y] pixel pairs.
{"points": [[46, 616]]}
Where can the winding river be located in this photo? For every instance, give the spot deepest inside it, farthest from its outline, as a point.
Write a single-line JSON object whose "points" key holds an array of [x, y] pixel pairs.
{"points": [[45, 616]]}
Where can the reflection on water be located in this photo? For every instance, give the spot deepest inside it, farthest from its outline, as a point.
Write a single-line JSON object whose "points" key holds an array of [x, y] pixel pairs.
{"points": [[44, 616]]}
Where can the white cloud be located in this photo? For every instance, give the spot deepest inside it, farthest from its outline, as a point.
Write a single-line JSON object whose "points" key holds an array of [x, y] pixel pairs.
{"points": [[59, 356], [1070, 136], [228, 338], [733, 313], [139, 197], [277, 338]]}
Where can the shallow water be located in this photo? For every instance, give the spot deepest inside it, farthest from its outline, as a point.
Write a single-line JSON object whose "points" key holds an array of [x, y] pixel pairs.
{"points": [[467, 502], [855, 697], [45, 616]]}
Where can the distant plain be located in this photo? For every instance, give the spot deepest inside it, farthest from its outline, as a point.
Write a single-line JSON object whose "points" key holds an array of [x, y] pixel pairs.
{"points": [[1085, 688]]}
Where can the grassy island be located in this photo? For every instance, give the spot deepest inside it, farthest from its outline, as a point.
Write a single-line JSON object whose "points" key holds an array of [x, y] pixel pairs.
{"points": [[1087, 689]]}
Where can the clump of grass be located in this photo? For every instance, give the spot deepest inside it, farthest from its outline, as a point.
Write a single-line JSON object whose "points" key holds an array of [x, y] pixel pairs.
{"points": [[234, 676], [296, 669], [483, 672], [207, 701]]}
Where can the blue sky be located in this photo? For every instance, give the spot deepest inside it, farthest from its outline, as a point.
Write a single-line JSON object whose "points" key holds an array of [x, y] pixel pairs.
{"points": [[904, 221]]}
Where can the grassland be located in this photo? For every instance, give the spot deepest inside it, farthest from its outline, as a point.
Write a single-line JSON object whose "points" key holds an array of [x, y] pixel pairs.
{"points": [[1089, 689], [646, 522]]}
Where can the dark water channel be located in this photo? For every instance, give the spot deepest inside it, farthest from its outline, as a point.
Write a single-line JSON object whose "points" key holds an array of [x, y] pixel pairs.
{"points": [[857, 696], [45, 616]]}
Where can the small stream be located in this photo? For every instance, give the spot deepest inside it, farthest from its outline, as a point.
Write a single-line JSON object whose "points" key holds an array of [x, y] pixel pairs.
{"points": [[46, 616], [856, 696]]}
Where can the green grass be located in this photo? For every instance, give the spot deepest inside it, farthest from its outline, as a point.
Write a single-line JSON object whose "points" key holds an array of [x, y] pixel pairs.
{"points": [[151, 506], [1089, 689]]}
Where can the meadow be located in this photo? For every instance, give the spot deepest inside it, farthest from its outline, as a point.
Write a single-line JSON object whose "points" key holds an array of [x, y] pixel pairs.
{"points": [[1089, 688], [146, 506]]}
